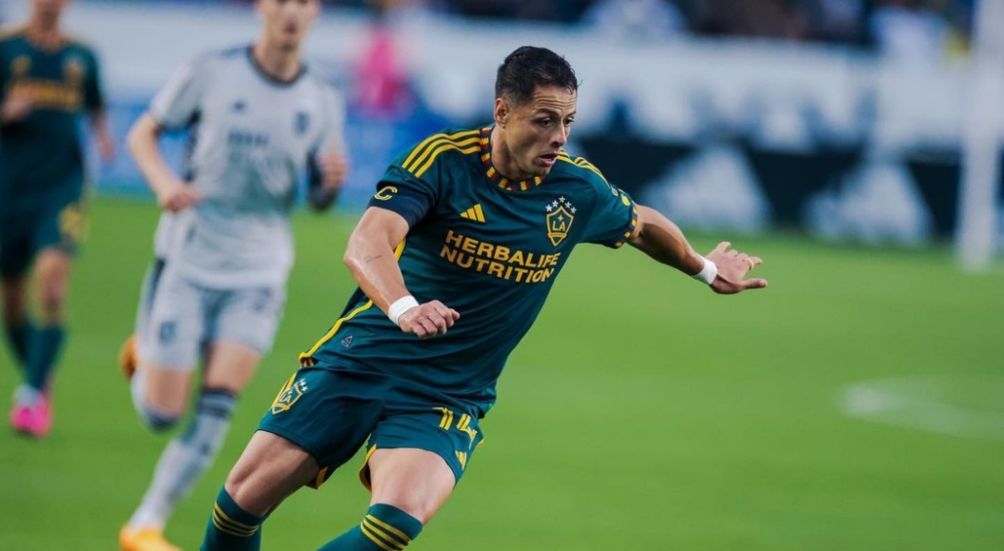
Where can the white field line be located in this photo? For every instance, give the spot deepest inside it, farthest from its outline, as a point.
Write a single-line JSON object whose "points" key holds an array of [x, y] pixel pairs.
{"points": [[914, 403]]}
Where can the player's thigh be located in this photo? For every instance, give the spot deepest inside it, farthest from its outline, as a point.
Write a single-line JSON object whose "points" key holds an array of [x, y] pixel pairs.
{"points": [[418, 454], [170, 344], [60, 227], [328, 413], [268, 471], [176, 327], [15, 245], [229, 366], [248, 317], [52, 268]]}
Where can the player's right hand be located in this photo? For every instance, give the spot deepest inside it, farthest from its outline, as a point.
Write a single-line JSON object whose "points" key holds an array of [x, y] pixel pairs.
{"points": [[17, 107], [177, 196], [429, 319]]}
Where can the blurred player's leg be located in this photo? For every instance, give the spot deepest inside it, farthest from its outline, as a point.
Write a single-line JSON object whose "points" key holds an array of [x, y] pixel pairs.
{"points": [[33, 407], [15, 263], [129, 352], [229, 367], [17, 324]]}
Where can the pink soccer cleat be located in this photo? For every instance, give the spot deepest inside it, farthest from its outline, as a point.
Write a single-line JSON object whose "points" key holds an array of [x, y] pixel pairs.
{"points": [[34, 420]]}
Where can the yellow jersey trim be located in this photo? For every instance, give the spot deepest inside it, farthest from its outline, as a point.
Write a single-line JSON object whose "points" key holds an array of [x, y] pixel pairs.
{"points": [[427, 143], [306, 356]]}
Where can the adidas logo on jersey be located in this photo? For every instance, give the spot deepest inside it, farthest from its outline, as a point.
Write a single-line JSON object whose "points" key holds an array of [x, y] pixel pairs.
{"points": [[474, 213]]}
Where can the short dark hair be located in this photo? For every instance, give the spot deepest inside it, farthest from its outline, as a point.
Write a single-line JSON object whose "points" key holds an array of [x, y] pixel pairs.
{"points": [[530, 67]]}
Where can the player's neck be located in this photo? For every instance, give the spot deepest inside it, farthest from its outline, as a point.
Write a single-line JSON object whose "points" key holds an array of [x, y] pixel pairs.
{"points": [[278, 63], [502, 160], [44, 32]]}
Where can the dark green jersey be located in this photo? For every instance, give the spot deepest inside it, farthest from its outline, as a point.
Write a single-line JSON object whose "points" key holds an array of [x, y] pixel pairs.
{"points": [[484, 246], [40, 156]]}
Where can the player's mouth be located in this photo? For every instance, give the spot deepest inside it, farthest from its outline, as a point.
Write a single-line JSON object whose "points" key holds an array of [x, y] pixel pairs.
{"points": [[548, 159]]}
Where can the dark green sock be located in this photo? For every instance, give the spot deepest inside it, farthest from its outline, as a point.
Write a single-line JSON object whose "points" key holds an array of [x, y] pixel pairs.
{"points": [[43, 350], [231, 528], [46, 344], [384, 528], [19, 337]]}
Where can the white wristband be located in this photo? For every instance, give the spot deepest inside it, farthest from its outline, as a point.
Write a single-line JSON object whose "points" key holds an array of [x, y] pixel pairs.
{"points": [[708, 273], [401, 306]]}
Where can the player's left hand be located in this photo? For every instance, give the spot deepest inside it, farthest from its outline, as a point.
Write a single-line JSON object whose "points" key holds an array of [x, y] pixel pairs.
{"points": [[334, 168], [733, 266]]}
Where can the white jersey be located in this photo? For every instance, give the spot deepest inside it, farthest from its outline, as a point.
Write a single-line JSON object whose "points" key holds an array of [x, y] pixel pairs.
{"points": [[252, 138]]}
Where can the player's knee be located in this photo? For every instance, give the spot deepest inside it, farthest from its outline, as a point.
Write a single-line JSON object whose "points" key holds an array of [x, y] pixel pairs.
{"points": [[52, 300], [155, 419]]}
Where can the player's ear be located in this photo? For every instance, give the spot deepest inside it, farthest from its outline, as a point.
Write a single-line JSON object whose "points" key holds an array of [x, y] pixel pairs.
{"points": [[502, 109]]}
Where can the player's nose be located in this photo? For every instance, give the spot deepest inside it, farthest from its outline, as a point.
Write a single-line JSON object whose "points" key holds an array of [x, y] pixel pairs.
{"points": [[560, 137]]}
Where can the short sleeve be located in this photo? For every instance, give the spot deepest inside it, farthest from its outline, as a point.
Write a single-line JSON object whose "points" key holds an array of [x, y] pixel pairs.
{"points": [[179, 101], [93, 97], [403, 193], [613, 218]]}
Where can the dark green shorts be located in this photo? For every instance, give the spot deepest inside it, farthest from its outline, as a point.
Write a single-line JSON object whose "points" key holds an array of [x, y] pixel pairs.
{"points": [[330, 414], [25, 233]]}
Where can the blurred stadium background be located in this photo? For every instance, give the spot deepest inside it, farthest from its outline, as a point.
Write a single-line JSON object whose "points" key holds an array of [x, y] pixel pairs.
{"points": [[856, 404]]}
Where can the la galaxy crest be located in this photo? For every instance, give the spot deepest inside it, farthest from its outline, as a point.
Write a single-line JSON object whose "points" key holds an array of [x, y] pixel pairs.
{"points": [[560, 215], [289, 396]]}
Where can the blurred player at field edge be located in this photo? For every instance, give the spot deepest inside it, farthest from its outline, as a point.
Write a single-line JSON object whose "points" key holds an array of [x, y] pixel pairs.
{"points": [[47, 80], [257, 118]]}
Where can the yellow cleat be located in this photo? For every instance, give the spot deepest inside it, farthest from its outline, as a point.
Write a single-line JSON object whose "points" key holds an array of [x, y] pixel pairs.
{"points": [[144, 539], [127, 357]]}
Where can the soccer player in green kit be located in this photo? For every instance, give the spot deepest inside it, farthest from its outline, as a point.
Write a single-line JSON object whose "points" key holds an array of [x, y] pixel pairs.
{"points": [[454, 259], [46, 81]]}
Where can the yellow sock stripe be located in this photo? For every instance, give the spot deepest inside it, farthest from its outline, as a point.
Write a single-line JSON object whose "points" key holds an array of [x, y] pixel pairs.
{"points": [[445, 147], [224, 516], [423, 148], [405, 539], [375, 539], [225, 530], [338, 323], [230, 526], [387, 538]]}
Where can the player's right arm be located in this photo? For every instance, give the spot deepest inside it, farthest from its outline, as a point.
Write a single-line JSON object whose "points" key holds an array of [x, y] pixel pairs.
{"points": [[13, 106], [370, 256], [172, 193], [175, 107]]}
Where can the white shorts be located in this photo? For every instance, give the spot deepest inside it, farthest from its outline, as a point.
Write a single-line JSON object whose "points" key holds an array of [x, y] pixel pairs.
{"points": [[178, 318]]}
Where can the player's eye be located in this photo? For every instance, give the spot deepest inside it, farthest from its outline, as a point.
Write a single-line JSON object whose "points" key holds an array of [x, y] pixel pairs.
{"points": [[544, 122]]}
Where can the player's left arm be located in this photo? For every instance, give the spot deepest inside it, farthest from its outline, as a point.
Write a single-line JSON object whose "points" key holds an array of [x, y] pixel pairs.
{"points": [[328, 163], [94, 102], [661, 239]]}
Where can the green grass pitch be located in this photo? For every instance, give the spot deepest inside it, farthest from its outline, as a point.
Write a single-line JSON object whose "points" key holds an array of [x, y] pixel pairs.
{"points": [[641, 413]]}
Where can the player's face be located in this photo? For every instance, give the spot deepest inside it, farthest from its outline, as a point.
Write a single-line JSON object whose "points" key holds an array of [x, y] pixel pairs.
{"points": [[535, 131], [50, 9], [287, 21]]}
